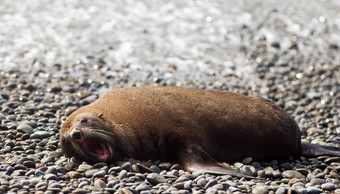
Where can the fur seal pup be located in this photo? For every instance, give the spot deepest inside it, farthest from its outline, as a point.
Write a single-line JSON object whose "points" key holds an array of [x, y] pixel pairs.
{"points": [[194, 127]]}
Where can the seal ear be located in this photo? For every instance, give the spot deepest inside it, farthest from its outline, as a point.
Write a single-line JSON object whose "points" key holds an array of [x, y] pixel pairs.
{"points": [[192, 157], [100, 115]]}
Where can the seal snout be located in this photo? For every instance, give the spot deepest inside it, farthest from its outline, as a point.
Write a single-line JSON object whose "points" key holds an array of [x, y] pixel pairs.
{"points": [[75, 134]]}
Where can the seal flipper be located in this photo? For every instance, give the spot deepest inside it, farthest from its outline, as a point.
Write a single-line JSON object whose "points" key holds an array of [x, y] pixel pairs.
{"points": [[310, 150], [192, 157]]}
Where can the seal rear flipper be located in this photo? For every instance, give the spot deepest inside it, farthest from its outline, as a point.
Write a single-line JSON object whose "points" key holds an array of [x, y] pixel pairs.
{"points": [[310, 150], [192, 157]]}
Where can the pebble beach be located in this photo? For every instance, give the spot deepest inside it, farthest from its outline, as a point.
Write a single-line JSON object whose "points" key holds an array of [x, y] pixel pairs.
{"points": [[57, 56]]}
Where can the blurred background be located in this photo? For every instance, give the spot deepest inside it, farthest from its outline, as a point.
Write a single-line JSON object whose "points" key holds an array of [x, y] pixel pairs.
{"points": [[56, 56]]}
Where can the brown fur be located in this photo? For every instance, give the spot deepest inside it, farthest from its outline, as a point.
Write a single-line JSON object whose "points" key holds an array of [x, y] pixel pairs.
{"points": [[173, 123]]}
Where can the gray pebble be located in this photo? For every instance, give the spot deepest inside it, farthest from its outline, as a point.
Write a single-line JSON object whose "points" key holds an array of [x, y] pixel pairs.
{"points": [[328, 186], [41, 134], [51, 170], [99, 184], [83, 183], [155, 178], [201, 182], [47, 160], [122, 174], [312, 190], [211, 183], [41, 186], [155, 168], [29, 164], [91, 172], [165, 165], [24, 128], [317, 181], [281, 190], [260, 190], [49, 177], [126, 166], [142, 187], [248, 170], [99, 174], [292, 174]]}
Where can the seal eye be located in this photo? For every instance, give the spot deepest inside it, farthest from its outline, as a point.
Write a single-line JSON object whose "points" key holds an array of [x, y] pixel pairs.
{"points": [[83, 121]]}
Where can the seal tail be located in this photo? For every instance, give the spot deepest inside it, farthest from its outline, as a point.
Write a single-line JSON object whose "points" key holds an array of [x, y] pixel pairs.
{"points": [[312, 150]]}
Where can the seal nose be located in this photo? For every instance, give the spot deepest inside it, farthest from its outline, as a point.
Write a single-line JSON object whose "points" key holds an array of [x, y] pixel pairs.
{"points": [[75, 134]]}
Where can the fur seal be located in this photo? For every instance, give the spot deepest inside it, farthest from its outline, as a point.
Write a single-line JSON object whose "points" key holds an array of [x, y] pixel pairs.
{"points": [[194, 127]]}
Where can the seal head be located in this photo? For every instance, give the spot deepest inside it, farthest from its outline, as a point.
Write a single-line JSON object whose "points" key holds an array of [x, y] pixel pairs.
{"points": [[87, 137]]}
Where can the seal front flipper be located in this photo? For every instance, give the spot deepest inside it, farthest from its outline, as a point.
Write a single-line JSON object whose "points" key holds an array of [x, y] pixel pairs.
{"points": [[192, 157], [311, 150]]}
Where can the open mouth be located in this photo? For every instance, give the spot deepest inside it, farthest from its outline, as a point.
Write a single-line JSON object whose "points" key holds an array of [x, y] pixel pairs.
{"points": [[95, 148]]}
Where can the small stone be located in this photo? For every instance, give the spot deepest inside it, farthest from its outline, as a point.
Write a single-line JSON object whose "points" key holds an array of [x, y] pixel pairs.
{"points": [[29, 164], [314, 130], [50, 177], [247, 170], [268, 171], [332, 159], [281, 190], [47, 160], [218, 187], [24, 128], [85, 166], [83, 183], [238, 165], [201, 182], [317, 181], [260, 190], [155, 178], [165, 165], [142, 187], [328, 186], [292, 174], [293, 181], [303, 171], [312, 190], [122, 174], [42, 134], [188, 184], [211, 183], [126, 166], [79, 191], [74, 174], [155, 168], [99, 184], [51, 170], [100, 165], [179, 185], [41, 186], [99, 174], [90, 173], [175, 167]]}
